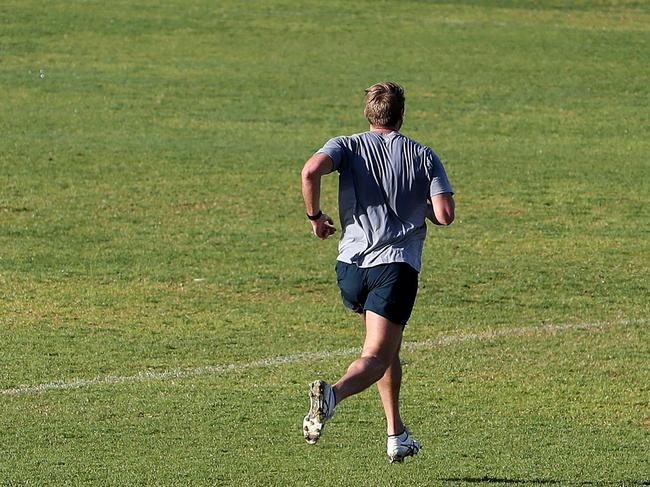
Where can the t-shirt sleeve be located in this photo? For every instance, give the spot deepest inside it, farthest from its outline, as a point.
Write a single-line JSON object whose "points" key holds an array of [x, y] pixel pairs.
{"points": [[438, 176], [337, 148]]}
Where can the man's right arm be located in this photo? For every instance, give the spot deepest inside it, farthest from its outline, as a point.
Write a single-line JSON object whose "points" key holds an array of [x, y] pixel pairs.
{"points": [[316, 167]]}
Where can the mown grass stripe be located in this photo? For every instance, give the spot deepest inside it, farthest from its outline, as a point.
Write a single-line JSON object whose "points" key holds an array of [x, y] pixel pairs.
{"points": [[183, 372]]}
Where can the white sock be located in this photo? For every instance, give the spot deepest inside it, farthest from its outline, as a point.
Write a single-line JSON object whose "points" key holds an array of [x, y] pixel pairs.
{"points": [[401, 437]]}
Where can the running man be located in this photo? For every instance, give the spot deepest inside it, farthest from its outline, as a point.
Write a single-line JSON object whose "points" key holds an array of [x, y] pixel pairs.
{"points": [[388, 185]]}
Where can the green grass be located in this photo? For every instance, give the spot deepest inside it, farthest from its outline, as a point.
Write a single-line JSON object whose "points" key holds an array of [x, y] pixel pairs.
{"points": [[151, 218]]}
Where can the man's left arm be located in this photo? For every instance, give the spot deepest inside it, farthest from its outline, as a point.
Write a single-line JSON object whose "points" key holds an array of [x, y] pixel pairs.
{"points": [[441, 209], [440, 204], [315, 168]]}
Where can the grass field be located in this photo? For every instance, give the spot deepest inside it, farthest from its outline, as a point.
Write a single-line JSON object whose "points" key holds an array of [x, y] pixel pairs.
{"points": [[151, 223]]}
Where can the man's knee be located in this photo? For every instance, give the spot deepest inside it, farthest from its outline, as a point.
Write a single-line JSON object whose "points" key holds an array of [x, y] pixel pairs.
{"points": [[378, 362]]}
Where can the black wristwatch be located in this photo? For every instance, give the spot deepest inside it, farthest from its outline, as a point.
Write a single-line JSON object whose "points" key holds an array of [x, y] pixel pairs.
{"points": [[316, 216]]}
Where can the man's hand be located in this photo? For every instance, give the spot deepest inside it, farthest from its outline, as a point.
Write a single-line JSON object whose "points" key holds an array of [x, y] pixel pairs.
{"points": [[323, 227]]}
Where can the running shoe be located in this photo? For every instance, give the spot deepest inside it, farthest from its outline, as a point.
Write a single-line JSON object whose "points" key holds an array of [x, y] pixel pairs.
{"points": [[401, 446], [321, 408]]}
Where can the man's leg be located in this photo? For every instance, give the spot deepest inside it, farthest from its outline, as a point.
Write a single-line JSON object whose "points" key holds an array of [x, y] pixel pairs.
{"points": [[400, 444], [380, 349], [388, 387]]}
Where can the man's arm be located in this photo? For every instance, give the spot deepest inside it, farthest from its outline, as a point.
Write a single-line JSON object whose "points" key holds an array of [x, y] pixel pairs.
{"points": [[441, 209], [316, 167]]}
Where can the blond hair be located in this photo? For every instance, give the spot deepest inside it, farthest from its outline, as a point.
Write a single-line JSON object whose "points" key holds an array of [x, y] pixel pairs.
{"points": [[384, 104]]}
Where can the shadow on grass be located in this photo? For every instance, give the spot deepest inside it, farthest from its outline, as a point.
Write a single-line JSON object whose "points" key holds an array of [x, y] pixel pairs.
{"points": [[496, 480]]}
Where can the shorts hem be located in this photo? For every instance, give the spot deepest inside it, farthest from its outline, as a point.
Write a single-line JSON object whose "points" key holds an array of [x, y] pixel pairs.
{"points": [[383, 314]]}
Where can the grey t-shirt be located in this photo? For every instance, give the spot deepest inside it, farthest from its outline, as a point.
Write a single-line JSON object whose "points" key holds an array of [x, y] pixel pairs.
{"points": [[384, 183]]}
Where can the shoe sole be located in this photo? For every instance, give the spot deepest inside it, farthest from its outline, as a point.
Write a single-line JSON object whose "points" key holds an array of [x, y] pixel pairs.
{"points": [[313, 422], [400, 458]]}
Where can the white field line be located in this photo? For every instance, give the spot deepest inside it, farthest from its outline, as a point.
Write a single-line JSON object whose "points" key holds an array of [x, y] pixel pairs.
{"points": [[182, 372]]}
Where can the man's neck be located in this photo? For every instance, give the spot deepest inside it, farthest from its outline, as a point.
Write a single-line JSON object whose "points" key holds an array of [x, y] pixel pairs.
{"points": [[383, 130]]}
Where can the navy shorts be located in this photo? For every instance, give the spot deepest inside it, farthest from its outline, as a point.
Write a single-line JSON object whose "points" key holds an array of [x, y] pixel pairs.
{"points": [[387, 289]]}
